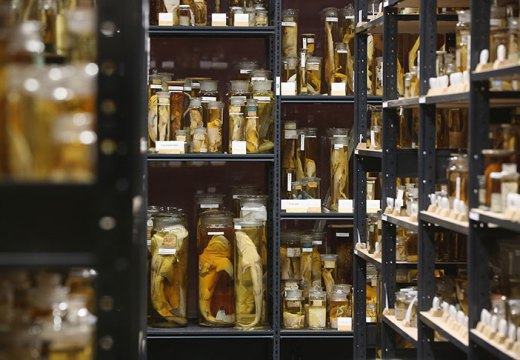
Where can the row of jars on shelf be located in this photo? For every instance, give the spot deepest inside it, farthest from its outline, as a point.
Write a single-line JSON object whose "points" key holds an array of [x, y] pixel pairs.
{"points": [[43, 316], [195, 13], [194, 118]]}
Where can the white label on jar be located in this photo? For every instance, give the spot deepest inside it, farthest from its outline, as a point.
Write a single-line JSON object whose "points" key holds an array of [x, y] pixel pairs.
{"points": [[373, 282], [209, 206], [317, 242], [496, 22], [258, 78], [288, 23], [294, 252], [167, 251], [342, 235], [218, 19], [148, 243], [457, 188], [329, 264], [212, 233], [262, 98], [331, 19], [303, 59], [155, 86], [241, 20], [306, 250], [170, 147], [373, 138], [239, 147], [290, 134], [313, 67], [208, 98], [289, 182], [338, 89], [149, 223], [289, 88], [165, 19], [302, 142], [175, 88], [317, 303], [349, 17], [338, 146], [238, 227]]}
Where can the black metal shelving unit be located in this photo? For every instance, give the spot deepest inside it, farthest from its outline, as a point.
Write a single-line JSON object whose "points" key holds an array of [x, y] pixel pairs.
{"points": [[482, 228]]}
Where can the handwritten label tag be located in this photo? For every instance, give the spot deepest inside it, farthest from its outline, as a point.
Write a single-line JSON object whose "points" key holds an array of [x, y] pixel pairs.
{"points": [[302, 206]]}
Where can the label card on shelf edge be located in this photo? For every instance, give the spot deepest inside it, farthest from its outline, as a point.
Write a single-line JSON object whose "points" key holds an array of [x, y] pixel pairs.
{"points": [[474, 216], [241, 20], [338, 89], [302, 206], [170, 147], [289, 88], [347, 206], [277, 86], [422, 100], [165, 19], [239, 147], [218, 19], [344, 324], [384, 217]]}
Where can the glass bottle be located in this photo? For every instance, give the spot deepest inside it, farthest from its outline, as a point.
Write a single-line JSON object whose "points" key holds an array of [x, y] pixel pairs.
{"points": [[195, 116], [318, 248], [411, 246], [308, 141], [185, 15], [290, 254], [297, 190], [200, 141], [493, 160], [252, 135], [347, 24], [235, 10], [302, 73], [372, 232], [340, 305], [289, 69], [289, 157], [400, 305], [463, 36], [289, 32], [208, 93], [317, 309], [458, 128], [169, 270], [306, 263], [201, 12], [331, 36], [215, 123], [513, 48], [329, 271], [313, 75], [308, 43], [216, 249], [339, 171], [457, 174], [250, 274], [237, 121], [261, 17], [341, 60], [293, 310], [497, 31], [264, 96]]}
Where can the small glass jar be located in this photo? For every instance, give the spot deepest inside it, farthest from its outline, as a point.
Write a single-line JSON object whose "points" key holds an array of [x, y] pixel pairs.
{"points": [[290, 255], [216, 249], [261, 17], [411, 246], [309, 155], [163, 116], [215, 123], [329, 271], [263, 94], [341, 59], [372, 232], [318, 248], [293, 310], [289, 69], [339, 171], [200, 9], [457, 174], [297, 190], [313, 75], [200, 141], [379, 76], [498, 31], [311, 188], [308, 43], [340, 304], [400, 248], [235, 10], [411, 298], [400, 305], [462, 40], [317, 310], [169, 270], [306, 263], [347, 25], [195, 118], [185, 15], [376, 137], [237, 121], [493, 160], [513, 47], [289, 32]]}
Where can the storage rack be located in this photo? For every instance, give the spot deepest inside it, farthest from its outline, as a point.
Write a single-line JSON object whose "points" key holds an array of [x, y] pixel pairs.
{"points": [[430, 170], [99, 225]]}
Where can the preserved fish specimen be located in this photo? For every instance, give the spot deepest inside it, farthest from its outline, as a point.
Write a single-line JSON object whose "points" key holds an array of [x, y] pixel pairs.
{"points": [[252, 136], [195, 115], [313, 75], [201, 12], [200, 141], [169, 264], [264, 96], [216, 116], [237, 121], [331, 37], [289, 32], [163, 112], [338, 171], [249, 281]]}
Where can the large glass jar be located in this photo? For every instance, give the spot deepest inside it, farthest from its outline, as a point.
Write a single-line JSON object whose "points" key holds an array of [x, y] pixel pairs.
{"points": [[400, 248], [293, 310], [252, 135], [290, 255], [216, 248], [462, 39], [331, 36], [201, 12], [237, 122], [264, 96], [208, 93], [493, 160], [290, 140], [169, 270], [306, 262], [289, 32], [457, 174], [340, 304], [205, 202], [513, 47], [215, 123], [347, 24], [498, 31], [313, 75], [250, 274], [289, 69], [308, 149], [241, 190], [317, 309], [329, 272], [163, 118], [318, 248], [339, 171]]}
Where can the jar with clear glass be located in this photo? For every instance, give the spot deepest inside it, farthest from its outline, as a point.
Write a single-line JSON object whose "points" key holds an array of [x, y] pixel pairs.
{"points": [[317, 310], [313, 75], [263, 94], [513, 34], [329, 271], [215, 124], [289, 69], [493, 160], [208, 93], [340, 304], [250, 274], [330, 18], [319, 247], [411, 246], [252, 124], [400, 248], [462, 40], [185, 15], [289, 32], [297, 190], [308, 150], [339, 171], [216, 249], [195, 117], [289, 158], [311, 188], [237, 121], [169, 270], [293, 310], [261, 17], [400, 305], [498, 31], [200, 10], [290, 255], [379, 76], [411, 301], [200, 141], [457, 174], [347, 24], [163, 116], [343, 73]]}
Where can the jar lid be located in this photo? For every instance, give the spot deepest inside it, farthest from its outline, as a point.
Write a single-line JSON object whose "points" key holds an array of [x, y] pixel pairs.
{"points": [[290, 13], [247, 222], [216, 217], [496, 175], [209, 198], [314, 59], [294, 294], [237, 101], [261, 73], [195, 102], [311, 132], [208, 85], [339, 140], [317, 294], [252, 103], [241, 86], [262, 85], [338, 288], [330, 12], [348, 10], [215, 105], [328, 257]]}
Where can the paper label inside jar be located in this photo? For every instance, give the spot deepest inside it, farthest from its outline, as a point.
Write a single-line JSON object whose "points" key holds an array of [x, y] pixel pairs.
{"points": [[213, 233], [289, 182], [208, 98], [238, 227], [317, 303], [209, 206], [317, 242], [294, 252], [293, 304], [258, 78], [302, 142], [167, 251], [306, 250], [331, 19], [262, 98], [175, 88], [329, 264], [288, 23], [155, 86], [218, 19], [342, 235]]}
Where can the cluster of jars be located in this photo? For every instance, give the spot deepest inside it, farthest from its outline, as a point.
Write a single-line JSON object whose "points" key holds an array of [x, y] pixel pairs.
{"points": [[192, 112], [232, 263], [44, 315], [303, 67], [406, 305], [195, 13], [48, 91]]}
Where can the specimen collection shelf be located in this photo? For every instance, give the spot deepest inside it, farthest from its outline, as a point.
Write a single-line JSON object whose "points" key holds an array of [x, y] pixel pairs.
{"points": [[211, 31], [504, 72], [498, 351], [417, 3], [194, 330], [493, 219], [409, 333], [402, 221], [318, 334], [449, 334], [408, 24], [449, 224], [317, 216], [211, 157], [325, 99]]}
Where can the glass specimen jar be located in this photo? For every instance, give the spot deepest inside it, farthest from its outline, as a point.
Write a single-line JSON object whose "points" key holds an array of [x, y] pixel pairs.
{"points": [[376, 137], [309, 155], [339, 171], [163, 118], [400, 305], [215, 123], [237, 121], [457, 174], [317, 309], [493, 160], [513, 34], [289, 69], [329, 271], [235, 10], [514, 311], [498, 31], [347, 25], [311, 188], [216, 249], [297, 190], [195, 116], [290, 254], [169, 270], [411, 298], [241, 190], [372, 232], [260, 75], [200, 9], [509, 183], [462, 39], [340, 305], [208, 93], [289, 32], [341, 60], [318, 248], [290, 141], [411, 246], [330, 18], [261, 17], [293, 310], [308, 43], [250, 276], [306, 262], [313, 75], [252, 135], [264, 96], [457, 128], [302, 73], [245, 68], [200, 141], [400, 248], [185, 15], [239, 89], [509, 134]]}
